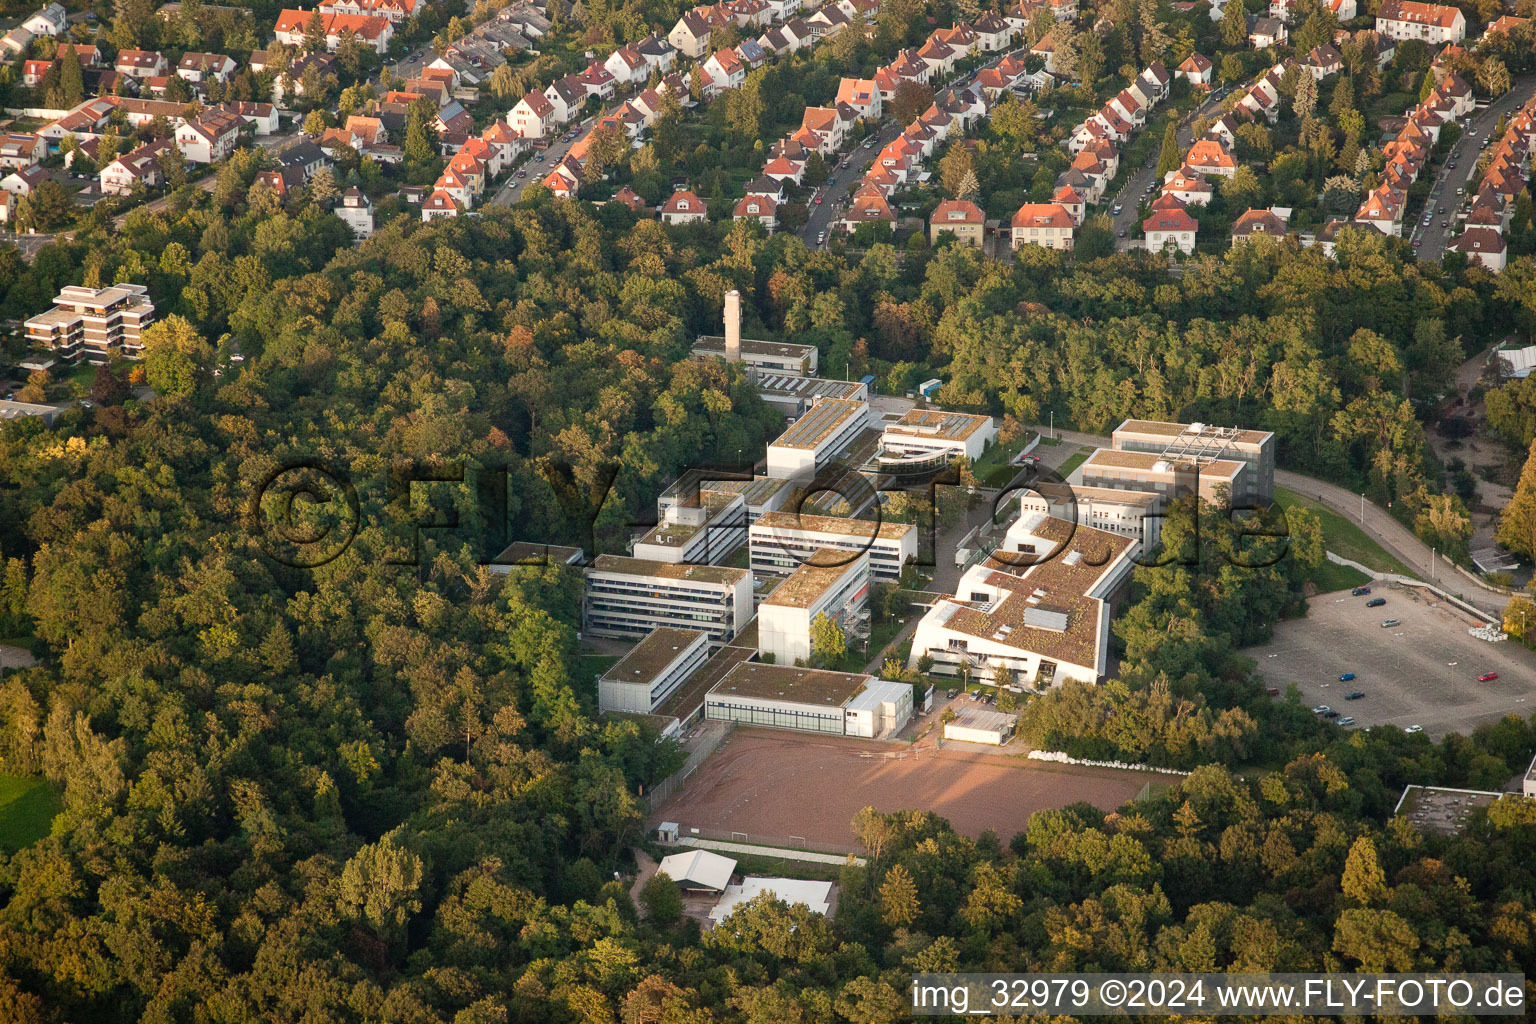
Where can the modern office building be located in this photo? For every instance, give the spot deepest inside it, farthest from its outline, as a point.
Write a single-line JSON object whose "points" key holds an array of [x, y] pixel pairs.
{"points": [[1203, 445], [1127, 513], [783, 541], [629, 597], [824, 433], [652, 670], [831, 583], [928, 431], [696, 532], [1215, 481], [810, 700], [759, 495], [96, 323], [793, 395], [1045, 617]]}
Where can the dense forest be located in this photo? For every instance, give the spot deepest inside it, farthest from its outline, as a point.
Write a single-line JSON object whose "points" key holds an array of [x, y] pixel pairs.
{"points": [[374, 791]]}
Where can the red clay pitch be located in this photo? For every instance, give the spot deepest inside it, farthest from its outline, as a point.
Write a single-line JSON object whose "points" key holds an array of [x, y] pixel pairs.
{"points": [[770, 785]]}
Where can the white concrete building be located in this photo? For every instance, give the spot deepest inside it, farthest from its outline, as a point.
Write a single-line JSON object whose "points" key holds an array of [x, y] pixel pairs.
{"points": [[929, 431], [761, 357], [821, 435], [697, 532], [652, 670], [357, 211], [1432, 23], [783, 541], [806, 700], [1040, 608], [981, 725], [831, 583], [629, 597]]}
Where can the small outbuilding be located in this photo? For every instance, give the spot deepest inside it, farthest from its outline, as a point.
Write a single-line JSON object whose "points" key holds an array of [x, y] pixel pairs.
{"points": [[698, 871], [976, 725]]}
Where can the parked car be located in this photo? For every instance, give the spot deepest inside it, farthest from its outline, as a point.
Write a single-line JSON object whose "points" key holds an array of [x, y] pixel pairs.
{"points": [[1330, 713], [1122, 232], [1486, 677], [1389, 623], [1346, 721], [1115, 210], [1273, 691], [1356, 695], [1359, 591], [1413, 729], [1321, 709], [1346, 677], [1376, 602]]}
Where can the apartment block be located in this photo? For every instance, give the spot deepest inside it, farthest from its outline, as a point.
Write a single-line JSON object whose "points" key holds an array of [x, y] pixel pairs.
{"points": [[629, 597], [96, 323]]}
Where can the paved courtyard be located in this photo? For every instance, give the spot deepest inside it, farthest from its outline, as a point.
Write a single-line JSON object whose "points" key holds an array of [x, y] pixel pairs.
{"points": [[1422, 671]]}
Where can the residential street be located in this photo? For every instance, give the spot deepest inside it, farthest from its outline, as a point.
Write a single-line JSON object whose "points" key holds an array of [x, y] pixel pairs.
{"points": [[1434, 238], [512, 190], [1135, 188]]}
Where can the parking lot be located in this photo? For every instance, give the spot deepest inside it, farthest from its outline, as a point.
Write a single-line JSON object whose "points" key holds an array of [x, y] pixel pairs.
{"points": [[1423, 671]]}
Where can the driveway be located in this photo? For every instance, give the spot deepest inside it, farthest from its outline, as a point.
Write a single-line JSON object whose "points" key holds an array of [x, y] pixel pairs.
{"points": [[1434, 238]]}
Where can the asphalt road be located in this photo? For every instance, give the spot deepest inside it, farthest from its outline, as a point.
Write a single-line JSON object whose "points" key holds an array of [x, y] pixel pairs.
{"points": [[1134, 191], [840, 182], [1434, 238], [1376, 522], [512, 190]]}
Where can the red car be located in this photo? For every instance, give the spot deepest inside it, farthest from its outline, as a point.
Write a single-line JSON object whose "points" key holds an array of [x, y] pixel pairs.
{"points": [[1487, 677]]}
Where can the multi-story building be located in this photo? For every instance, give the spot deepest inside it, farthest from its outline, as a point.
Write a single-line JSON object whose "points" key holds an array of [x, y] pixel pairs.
{"points": [[96, 323], [629, 597], [826, 430], [1167, 478], [831, 582], [652, 670], [698, 531], [1040, 609], [1433, 23], [935, 431], [1203, 442], [781, 542], [1127, 513], [810, 700]]}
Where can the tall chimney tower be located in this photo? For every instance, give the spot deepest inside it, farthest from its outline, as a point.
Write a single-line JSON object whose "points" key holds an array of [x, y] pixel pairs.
{"points": [[733, 326]]}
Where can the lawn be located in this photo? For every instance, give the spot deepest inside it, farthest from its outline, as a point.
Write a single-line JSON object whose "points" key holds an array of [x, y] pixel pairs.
{"points": [[786, 867], [994, 468], [1343, 537], [1075, 461], [590, 666], [27, 809]]}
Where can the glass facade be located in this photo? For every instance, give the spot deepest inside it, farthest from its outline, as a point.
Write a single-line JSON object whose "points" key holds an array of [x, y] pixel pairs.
{"points": [[798, 718]]}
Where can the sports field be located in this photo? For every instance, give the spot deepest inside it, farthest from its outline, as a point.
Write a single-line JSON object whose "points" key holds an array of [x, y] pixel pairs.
{"points": [[774, 786]]}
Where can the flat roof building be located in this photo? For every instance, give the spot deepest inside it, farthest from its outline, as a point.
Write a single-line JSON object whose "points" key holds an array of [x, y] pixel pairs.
{"points": [[783, 541], [96, 323], [830, 582], [981, 725], [652, 670], [924, 431], [1040, 608], [827, 429], [699, 532], [759, 495], [1167, 479], [1203, 444], [1127, 513], [802, 699], [629, 597], [793, 395], [760, 357], [522, 553]]}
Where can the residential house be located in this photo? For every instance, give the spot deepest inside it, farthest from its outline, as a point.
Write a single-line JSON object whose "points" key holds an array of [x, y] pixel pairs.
{"points": [[1044, 224], [20, 149], [205, 67], [759, 208], [683, 207], [862, 94], [627, 196], [1208, 156], [1482, 245], [49, 20], [210, 138], [1323, 60], [438, 204], [1196, 70], [1257, 223], [1432, 23], [1266, 32], [140, 64], [534, 116], [965, 220], [1170, 226], [371, 31], [23, 180], [1188, 187], [690, 36], [867, 208], [1074, 201], [1383, 210], [131, 170]]}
